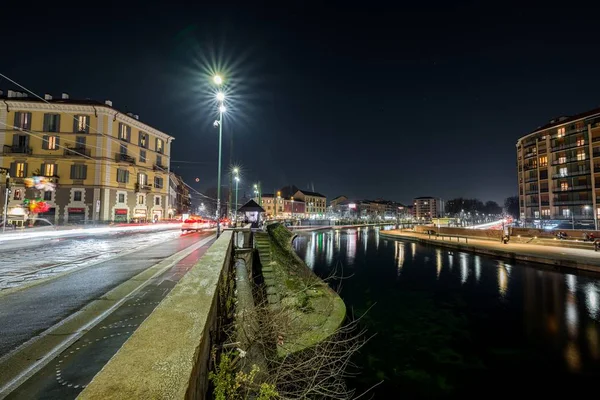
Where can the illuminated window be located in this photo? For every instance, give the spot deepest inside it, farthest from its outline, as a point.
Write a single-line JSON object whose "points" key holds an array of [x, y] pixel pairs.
{"points": [[51, 142], [543, 161], [560, 132], [546, 212], [140, 199], [143, 140], [563, 171], [142, 179], [580, 141], [562, 159], [159, 146], [124, 132], [566, 212], [23, 120], [580, 155], [564, 186], [81, 124], [20, 170], [49, 169], [18, 194]]}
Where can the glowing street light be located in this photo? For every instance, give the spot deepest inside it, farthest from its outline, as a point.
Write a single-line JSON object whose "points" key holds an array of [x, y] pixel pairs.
{"points": [[220, 96], [237, 182], [217, 79], [222, 110]]}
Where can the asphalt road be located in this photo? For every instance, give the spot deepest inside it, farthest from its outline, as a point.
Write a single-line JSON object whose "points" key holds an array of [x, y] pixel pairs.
{"points": [[30, 311], [69, 373]]}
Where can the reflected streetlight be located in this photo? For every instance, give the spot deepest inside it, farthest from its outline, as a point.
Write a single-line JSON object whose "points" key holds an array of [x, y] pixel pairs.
{"points": [[220, 97]]}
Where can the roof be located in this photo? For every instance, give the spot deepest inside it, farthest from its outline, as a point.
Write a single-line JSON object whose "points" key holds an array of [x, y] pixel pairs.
{"points": [[567, 119], [338, 197], [250, 207], [267, 195], [424, 198], [315, 194]]}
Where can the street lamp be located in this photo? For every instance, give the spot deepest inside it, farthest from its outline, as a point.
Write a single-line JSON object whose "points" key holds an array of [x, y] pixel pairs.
{"points": [[6, 192], [292, 208], [220, 98], [237, 181]]}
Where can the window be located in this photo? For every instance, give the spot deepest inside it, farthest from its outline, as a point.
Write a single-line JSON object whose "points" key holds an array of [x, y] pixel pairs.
{"points": [[159, 146], [18, 194], [123, 150], [124, 132], [80, 142], [560, 132], [50, 142], [544, 161], [580, 141], [580, 155], [143, 156], [564, 186], [77, 195], [157, 201], [22, 120], [140, 199], [159, 161], [49, 169], [48, 195], [143, 140], [121, 197], [562, 159], [19, 171], [81, 124], [122, 175], [158, 182], [566, 212], [563, 171], [78, 171], [142, 179], [546, 212], [51, 122]]}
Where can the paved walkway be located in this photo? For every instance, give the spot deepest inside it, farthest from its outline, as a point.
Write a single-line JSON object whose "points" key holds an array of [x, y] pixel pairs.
{"points": [[585, 259]]}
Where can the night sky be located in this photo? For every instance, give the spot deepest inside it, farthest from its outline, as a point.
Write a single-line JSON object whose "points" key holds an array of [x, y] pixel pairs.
{"points": [[374, 101]]}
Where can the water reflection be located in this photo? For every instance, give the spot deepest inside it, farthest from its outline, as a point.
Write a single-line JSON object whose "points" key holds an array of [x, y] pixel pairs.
{"points": [[549, 315]]}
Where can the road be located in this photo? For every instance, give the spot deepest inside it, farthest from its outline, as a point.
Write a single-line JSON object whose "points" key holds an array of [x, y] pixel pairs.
{"points": [[38, 321], [29, 260], [70, 371]]}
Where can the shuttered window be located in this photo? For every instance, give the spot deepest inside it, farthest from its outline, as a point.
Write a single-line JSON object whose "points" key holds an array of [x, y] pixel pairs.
{"points": [[78, 171]]}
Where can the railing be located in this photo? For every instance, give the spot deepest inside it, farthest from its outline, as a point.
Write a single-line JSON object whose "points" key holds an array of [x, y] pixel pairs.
{"points": [[124, 158], [571, 173], [531, 179], [568, 146], [571, 132], [159, 167], [574, 188], [544, 190], [571, 202], [142, 187], [596, 139], [17, 149], [568, 160], [545, 203], [530, 154], [78, 152], [532, 204], [528, 167], [533, 191]]}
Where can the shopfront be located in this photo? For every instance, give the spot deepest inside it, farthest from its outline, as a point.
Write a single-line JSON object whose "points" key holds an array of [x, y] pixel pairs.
{"points": [[120, 215], [140, 215], [76, 215]]}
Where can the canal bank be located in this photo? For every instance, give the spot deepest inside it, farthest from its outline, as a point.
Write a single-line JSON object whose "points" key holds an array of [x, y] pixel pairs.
{"points": [[556, 257], [454, 324]]}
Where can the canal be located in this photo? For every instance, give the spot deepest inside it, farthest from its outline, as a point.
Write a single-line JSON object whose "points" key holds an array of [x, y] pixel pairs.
{"points": [[454, 324]]}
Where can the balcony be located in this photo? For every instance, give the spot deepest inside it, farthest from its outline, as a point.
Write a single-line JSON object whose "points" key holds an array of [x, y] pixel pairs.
{"points": [[571, 202], [139, 187], [17, 149], [159, 167], [574, 188], [572, 132], [78, 152], [530, 154], [544, 190], [528, 167], [532, 191], [596, 139], [571, 173], [531, 179], [568, 146], [532, 204], [124, 158], [568, 160], [545, 203]]}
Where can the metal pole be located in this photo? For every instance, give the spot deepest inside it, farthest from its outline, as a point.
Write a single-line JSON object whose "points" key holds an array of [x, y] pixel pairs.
{"points": [[237, 181], [6, 201], [219, 175]]}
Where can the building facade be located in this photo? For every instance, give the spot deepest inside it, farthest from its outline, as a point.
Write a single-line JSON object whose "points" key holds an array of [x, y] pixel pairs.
{"points": [[558, 167], [106, 165], [179, 193], [315, 203], [425, 208]]}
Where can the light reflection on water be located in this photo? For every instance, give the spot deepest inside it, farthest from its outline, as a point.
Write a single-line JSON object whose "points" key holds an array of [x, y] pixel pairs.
{"points": [[557, 312]]}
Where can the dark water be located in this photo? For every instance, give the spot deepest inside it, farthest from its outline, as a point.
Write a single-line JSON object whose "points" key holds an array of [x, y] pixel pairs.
{"points": [[453, 324]]}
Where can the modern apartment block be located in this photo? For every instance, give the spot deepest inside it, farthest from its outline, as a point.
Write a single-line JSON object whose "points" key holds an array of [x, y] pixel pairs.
{"points": [[106, 165], [426, 208], [558, 168]]}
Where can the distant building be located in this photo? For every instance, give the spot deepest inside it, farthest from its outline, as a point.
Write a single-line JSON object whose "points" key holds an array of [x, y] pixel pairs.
{"points": [[426, 208], [315, 203], [337, 200], [276, 206], [558, 170], [180, 200]]}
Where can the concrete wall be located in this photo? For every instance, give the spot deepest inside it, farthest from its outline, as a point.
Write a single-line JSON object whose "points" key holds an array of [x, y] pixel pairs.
{"points": [[481, 233], [168, 356], [541, 233]]}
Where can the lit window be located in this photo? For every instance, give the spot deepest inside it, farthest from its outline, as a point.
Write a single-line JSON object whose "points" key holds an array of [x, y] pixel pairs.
{"points": [[581, 155], [18, 194], [563, 171], [560, 132], [564, 186], [546, 212], [124, 132], [543, 161], [142, 179], [140, 199], [159, 145], [20, 170], [566, 212], [580, 141], [49, 169], [82, 123], [51, 142], [143, 142], [562, 159]]}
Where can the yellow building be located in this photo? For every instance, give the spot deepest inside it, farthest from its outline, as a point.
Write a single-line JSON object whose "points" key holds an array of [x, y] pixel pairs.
{"points": [[107, 165], [315, 203]]}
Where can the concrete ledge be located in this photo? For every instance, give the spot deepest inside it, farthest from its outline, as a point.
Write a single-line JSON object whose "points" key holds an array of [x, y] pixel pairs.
{"points": [[167, 356]]}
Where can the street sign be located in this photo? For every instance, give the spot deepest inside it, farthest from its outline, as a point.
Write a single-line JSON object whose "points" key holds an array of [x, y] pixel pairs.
{"points": [[97, 205]]}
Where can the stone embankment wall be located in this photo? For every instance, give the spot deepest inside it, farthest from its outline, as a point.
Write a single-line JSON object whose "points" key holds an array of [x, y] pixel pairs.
{"points": [[478, 233]]}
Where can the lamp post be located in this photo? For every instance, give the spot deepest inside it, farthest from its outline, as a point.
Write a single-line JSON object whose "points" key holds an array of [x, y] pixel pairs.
{"points": [[237, 181], [292, 209], [220, 98]]}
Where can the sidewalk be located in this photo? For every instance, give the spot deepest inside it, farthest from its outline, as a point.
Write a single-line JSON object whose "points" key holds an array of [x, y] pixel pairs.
{"points": [[576, 258]]}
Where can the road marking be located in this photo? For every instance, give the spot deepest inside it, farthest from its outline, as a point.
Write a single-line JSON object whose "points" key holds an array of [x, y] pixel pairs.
{"points": [[24, 361]]}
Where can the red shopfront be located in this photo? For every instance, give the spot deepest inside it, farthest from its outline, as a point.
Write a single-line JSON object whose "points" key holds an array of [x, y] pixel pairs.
{"points": [[120, 215], [76, 215]]}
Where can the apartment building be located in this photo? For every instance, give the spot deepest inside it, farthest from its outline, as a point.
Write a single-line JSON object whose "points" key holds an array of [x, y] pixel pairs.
{"points": [[558, 167], [426, 208], [106, 165], [315, 203]]}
